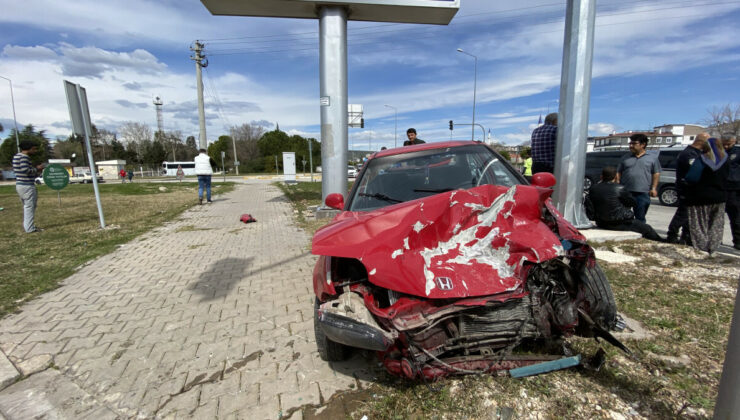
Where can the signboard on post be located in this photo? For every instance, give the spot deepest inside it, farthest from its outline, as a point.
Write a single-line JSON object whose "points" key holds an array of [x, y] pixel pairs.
{"points": [[80, 116], [55, 176], [289, 167], [438, 12]]}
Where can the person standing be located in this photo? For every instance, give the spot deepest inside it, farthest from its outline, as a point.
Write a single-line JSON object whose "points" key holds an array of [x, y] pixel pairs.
{"points": [[700, 171], [544, 139], [204, 171], [612, 207], [639, 172], [130, 175], [25, 186], [732, 186], [527, 166], [122, 174], [412, 139]]}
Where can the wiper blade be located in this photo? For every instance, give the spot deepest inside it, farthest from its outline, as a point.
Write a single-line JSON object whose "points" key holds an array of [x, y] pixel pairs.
{"points": [[437, 190], [380, 196]]}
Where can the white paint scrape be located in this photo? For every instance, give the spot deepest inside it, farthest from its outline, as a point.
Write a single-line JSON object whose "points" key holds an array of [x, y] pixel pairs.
{"points": [[418, 226], [373, 272], [471, 248], [396, 253]]}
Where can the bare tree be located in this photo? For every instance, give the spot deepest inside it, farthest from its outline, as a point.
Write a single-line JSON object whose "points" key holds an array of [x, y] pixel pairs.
{"points": [[246, 136], [724, 119], [135, 133]]}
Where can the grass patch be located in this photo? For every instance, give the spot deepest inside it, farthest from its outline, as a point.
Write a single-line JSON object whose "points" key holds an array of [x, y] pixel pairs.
{"points": [[35, 263]]}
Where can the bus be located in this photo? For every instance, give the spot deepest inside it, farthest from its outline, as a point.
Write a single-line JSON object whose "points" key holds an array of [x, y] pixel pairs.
{"points": [[170, 168]]}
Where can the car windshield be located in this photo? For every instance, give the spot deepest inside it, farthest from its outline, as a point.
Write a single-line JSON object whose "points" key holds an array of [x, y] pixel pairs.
{"points": [[408, 176]]}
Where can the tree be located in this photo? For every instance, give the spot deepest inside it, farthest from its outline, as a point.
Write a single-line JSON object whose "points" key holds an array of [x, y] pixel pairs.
{"points": [[64, 149], [137, 133], [221, 145], [154, 154], [724, 120], [8, 149]]}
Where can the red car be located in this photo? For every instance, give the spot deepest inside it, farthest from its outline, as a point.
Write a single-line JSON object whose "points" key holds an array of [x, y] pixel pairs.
{"points": [[444, 260]]}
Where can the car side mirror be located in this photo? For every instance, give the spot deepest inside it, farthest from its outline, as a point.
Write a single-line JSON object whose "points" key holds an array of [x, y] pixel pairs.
{"points": [[335, 201], [543, 179]]}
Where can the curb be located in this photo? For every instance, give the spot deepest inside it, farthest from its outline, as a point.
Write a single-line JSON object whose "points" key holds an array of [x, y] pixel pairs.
{"points": [[8, 373]]}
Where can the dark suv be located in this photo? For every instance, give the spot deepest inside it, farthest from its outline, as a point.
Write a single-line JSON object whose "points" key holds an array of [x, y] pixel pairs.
{"points": [[667, 194]]}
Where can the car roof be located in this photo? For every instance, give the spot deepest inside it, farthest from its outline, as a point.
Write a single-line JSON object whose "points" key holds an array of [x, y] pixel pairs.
{"points": [[421, 147]]}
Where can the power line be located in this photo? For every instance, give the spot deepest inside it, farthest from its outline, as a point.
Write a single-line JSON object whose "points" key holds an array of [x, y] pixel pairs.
{"points": [[262, 49], [395, 27]]}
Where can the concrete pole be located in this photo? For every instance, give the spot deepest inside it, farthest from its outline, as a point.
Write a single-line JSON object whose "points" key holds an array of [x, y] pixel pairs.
{"points": [[728, 398], [236, 160], [333, 92], [198, 58], [15, 121], [575, 92]]}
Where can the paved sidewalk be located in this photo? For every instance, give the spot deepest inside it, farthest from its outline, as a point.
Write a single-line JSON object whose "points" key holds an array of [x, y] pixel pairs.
{"points": [[202, 317]]}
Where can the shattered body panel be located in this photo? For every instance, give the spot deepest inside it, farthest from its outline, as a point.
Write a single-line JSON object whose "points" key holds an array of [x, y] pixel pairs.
{"points": [[452, 282]]}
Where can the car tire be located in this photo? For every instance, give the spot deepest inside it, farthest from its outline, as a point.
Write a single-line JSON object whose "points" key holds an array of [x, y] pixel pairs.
{"points": [[601, 305], [329, 351], [668, 196]]}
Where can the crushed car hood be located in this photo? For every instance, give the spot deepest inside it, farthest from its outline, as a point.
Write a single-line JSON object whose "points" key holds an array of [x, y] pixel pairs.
{"points": [[452, 245]]}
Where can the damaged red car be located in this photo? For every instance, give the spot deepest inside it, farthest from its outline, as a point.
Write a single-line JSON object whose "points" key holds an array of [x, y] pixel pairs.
{"points": [[444, 260]]}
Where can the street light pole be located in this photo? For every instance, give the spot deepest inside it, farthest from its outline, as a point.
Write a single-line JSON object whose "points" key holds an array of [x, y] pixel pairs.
{"points": [[15, 121], [395, 135], [475, 88]]}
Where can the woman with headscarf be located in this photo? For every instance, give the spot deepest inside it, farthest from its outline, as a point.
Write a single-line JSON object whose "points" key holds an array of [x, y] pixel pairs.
{"points": [[701, 174]]}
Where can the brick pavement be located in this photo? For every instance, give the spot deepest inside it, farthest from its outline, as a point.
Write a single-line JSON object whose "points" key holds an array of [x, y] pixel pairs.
{"points": [[202, 317]]}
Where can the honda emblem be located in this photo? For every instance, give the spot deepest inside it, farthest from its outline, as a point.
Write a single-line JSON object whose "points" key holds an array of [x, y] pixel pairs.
{"points": [[444, 283]]}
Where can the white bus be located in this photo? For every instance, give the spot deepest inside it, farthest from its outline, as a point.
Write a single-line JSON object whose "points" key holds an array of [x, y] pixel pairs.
{"points": [[170, 168]]}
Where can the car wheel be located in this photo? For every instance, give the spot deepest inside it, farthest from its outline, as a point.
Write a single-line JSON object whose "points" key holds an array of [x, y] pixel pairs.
{"points": [[328, 350], [601, 305], [668, 196]]}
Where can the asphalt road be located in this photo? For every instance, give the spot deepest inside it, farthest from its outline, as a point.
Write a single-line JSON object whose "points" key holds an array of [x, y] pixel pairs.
{"points": [[659, 216]]}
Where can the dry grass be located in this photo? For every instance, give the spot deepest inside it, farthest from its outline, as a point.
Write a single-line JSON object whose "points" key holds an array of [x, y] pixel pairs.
{"points": [[34, 263]]}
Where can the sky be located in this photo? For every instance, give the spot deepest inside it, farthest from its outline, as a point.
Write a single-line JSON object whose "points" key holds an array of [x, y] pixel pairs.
{"points": [[655, 62]]}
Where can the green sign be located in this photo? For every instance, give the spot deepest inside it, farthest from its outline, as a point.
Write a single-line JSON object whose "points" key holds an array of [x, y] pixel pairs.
{"points": [[55, 176]]}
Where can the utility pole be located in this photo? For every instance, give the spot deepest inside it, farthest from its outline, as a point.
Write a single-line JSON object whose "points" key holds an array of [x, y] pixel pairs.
{"points": [[200, 61], [236, 160]]}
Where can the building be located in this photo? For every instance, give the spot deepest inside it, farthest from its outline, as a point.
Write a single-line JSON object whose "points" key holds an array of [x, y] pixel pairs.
{"points": [[668, 135], [109, 169]]}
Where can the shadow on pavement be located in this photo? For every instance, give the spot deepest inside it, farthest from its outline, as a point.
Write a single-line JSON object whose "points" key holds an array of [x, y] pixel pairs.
{"points": [[233, 270], [220, 278]]}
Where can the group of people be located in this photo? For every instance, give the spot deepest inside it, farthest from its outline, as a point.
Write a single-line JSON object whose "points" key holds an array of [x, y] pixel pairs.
{"points": [[707, 180], [124, 174]]}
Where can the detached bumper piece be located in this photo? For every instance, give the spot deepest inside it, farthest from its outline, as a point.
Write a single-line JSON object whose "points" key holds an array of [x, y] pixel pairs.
{"points": [[352, 333], [347, 321]]}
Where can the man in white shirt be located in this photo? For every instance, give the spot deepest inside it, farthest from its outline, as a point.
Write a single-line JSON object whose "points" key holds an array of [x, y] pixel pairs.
{"points": [[204, 171]]}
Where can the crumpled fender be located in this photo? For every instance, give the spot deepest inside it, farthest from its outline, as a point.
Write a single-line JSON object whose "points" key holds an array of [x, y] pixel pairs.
{"points": [[457, 244]]}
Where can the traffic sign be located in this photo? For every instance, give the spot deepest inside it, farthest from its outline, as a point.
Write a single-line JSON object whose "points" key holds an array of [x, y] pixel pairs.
{"points": [[55, 176]]}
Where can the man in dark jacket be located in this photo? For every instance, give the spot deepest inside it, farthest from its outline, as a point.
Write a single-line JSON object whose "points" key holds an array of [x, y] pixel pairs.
{"points": [[613, 204], [732, 186]]}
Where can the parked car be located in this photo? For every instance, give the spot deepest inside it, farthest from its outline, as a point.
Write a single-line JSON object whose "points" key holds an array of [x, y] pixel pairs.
{"points": [[444, 260], [83, 178], [351, 171], [596, 161], [667, 193]]}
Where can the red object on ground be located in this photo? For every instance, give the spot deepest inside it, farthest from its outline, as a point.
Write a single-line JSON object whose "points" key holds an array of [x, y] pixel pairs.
{"points": [[247, 218]]}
